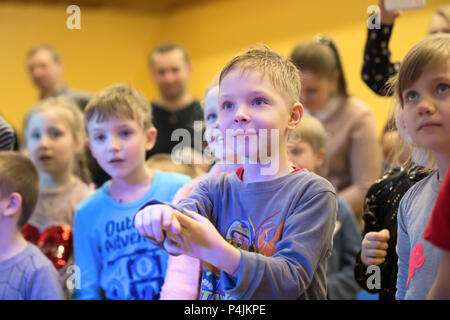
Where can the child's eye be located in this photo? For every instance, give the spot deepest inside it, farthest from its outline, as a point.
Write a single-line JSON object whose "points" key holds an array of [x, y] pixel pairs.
{"points": [[259, 101], [36, 135], [411, 95], [442, 88], [55, 133], [295, 151], [227, 105], [125, 133], [99, 137], [211, 117]]}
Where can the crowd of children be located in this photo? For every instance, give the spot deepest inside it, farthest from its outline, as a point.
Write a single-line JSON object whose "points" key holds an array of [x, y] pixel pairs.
{"points": [[295, 204]]}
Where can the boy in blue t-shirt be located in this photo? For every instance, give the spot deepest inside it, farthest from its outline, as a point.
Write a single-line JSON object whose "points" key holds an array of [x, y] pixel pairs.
{"points": [[264, 232], [115, 262]]}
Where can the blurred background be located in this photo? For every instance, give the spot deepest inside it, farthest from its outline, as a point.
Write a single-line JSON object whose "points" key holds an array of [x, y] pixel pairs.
{"points": [[116, 37]]}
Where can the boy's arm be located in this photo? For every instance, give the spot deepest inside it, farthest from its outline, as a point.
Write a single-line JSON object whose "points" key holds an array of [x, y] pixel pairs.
{"points": [[342, 284], [306, 241], [403, 251], [86, 259]]}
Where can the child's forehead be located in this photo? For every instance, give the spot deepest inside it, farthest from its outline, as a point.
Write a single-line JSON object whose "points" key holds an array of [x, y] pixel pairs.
{"points": [[52, 116], [254, 79], [107, 122]]}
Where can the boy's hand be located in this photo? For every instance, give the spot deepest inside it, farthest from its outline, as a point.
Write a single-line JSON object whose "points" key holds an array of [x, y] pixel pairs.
{"points": [[152, 220], [200, 239], [374, 247]]}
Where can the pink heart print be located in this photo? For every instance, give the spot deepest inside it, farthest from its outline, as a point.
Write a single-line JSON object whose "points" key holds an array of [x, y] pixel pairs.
{"points": [[416, 260]]}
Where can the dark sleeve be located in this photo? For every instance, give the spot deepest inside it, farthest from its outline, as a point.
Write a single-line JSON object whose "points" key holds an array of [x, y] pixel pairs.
{"points": [[377, 67], [7, 136]]}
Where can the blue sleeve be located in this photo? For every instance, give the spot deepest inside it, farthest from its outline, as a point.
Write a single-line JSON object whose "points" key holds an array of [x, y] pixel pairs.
{"points": [[403, 250], [306, 241], [342, 284], [87, 257]]}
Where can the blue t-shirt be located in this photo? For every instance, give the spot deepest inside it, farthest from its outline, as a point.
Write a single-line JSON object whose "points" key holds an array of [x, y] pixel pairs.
{"points": [[115, 262]]}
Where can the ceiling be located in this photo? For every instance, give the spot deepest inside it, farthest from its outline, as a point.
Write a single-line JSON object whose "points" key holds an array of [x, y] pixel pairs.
{"points": [[154, 6]]}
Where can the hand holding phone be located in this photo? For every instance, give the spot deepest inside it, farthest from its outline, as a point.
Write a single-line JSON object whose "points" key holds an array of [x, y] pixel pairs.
{"points": [[392, 5]]}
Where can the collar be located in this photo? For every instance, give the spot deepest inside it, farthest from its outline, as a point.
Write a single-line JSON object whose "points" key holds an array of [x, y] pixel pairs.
{"points": [[329, 109], [240, 172]]}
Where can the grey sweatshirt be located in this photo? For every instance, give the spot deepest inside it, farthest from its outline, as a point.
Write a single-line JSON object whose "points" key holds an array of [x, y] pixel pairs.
{"points": [[418, 260], [283, 227]]}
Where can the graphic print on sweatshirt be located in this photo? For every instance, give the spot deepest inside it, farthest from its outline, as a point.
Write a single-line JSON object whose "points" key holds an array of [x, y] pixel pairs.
{"points": [[136, 268], [416, 261], [242, 234]]}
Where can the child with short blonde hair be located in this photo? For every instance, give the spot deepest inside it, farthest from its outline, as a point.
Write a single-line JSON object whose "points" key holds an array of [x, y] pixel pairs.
{"points": [[115, 261], [265, 231]]}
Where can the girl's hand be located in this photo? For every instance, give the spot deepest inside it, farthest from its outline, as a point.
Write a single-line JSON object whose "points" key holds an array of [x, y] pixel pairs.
{"points": [[387, 17], [374, 247]]}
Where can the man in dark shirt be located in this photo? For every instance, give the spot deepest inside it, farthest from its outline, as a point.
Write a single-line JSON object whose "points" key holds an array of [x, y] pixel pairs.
{"points": [[174, 108]]}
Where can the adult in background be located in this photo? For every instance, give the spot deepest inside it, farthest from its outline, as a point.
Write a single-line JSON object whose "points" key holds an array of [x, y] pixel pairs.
{"points": [[46, 71], [175, 107]]}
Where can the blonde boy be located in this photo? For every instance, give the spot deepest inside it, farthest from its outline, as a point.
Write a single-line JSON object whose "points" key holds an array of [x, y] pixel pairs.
{"points": [[114, 260], [261, 234], [25, 273]]}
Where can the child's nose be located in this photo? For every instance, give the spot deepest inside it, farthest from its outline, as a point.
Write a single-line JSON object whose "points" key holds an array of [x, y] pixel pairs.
{"points": [[241, 115], [44, 142], [426, 106], [114, 144]]}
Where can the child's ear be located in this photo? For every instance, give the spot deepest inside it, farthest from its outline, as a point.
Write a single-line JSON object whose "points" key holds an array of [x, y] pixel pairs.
{"points": [[320, 157], [13, 203], [150, 135], [295, 116]]}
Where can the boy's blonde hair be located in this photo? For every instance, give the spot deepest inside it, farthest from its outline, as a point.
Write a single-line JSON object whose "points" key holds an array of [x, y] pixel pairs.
{"points": [[120, 101], [18, 174], [282, 73], [74, 118], [311, 131]]}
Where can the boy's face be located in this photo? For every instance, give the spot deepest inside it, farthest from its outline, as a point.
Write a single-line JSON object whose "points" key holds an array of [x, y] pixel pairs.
{"points": [[248, 103], [213, 136], [302, 155], [119, 145], [50, 142]]}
